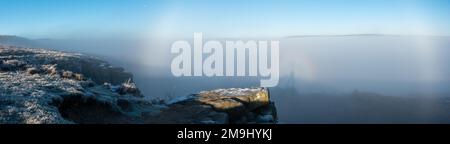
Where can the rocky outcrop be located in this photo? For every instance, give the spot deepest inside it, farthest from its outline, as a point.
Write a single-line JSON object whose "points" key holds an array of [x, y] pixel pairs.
{"points": [[235, 105], [14, 58], [44, 86]]}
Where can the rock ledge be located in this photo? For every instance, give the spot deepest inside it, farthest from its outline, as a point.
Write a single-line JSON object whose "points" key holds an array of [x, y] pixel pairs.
{"points": [[39, 86]]}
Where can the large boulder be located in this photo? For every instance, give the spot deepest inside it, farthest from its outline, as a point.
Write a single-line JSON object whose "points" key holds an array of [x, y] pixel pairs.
{"points": [[239, 105], [235, 100]]}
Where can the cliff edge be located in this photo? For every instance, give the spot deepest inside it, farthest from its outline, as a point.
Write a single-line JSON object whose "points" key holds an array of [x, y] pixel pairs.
{"points": [[40, 86]]}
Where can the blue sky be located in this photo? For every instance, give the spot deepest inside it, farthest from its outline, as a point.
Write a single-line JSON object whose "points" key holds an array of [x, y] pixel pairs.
{"points": [[227, 18]]}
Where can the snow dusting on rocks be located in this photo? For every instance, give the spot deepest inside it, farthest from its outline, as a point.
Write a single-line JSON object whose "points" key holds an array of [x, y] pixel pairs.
{"points": [[40, 86]]}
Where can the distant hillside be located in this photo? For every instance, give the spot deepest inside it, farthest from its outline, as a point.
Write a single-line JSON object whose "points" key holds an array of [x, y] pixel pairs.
{"points": [[17, 41]]}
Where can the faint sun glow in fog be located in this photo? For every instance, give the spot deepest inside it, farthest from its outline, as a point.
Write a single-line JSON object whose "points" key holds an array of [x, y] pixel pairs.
{"points": [[427, 59], [160, 34], [302, 66], [175, 21], [425, 46]]}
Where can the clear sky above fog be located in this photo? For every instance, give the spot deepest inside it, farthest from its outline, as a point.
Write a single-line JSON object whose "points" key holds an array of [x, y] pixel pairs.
{"points": [[226, 18]]}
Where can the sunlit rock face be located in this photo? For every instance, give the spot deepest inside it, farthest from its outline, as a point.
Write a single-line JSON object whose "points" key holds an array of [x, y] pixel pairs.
{"points": [[241, 104], [39, 86], [235, 105]]}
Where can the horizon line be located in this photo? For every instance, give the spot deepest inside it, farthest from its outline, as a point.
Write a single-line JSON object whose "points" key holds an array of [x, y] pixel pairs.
{"points": [[286, 37]]}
